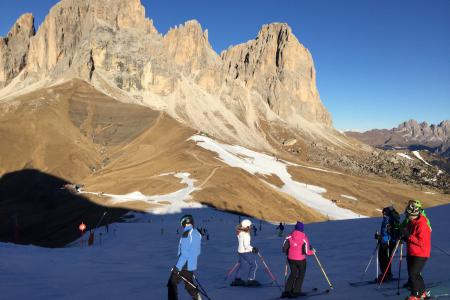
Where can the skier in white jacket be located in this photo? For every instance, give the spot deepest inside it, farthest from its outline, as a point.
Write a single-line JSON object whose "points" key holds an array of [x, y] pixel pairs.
{"points": [[247, 255]]}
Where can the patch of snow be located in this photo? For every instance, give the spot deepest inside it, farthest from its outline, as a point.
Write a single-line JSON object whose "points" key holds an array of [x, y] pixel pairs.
{"points": [[417, 154], [349, 197], [255, 162], [404, 155], [439, 172], [176, 199], [430, 193]]}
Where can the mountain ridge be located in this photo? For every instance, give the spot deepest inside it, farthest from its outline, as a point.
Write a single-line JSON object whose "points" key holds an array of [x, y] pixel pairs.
{"points": [[409, 134]]}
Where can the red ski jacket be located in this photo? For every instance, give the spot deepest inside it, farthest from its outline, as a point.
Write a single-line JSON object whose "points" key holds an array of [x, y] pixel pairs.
{"points": [[419, 241]]}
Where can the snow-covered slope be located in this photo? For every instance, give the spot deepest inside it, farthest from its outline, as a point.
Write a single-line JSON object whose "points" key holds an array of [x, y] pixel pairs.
{"points": [[134, 259]]}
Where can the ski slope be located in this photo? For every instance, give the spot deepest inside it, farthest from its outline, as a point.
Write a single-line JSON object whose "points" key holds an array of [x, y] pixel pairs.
{"points": [[134, 260]]}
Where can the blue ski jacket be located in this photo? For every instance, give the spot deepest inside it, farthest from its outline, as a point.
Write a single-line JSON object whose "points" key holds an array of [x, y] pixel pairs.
{"points": [[384, 231], [189, 249]]}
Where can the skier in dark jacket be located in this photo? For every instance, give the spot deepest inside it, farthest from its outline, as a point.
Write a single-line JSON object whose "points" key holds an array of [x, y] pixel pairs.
{"points": [[417, 235], [188, 251], [280, 229], [387, 238], [296, 246]]}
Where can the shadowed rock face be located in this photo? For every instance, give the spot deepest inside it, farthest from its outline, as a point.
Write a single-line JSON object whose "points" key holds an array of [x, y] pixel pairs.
{"points": [[112, 45], [412, 135], [35, 210]]}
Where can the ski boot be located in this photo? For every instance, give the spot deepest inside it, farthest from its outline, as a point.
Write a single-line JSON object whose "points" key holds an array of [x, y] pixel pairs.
{"points": [[238, 282], [253, 283]]}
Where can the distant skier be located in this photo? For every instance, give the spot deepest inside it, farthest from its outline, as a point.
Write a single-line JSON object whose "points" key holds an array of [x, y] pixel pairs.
{"points": [[387, 238], [296, 246], [246, 255], [417, 235], [254, 230], [189, 249], [280, 229]]}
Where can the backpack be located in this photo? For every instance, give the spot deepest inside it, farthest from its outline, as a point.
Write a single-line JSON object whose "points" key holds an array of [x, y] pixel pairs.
{"points": [[394, 225]]}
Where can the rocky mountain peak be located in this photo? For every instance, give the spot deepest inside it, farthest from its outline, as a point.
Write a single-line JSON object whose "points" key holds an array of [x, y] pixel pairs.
{"points": [[14, 48], [412, 134], [23, 26], [188, 45], [111, 44], [281, 69]]}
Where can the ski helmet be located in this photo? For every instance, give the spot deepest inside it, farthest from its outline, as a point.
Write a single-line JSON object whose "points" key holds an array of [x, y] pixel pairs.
{"points": [[413, 208], [186, 219], [246, 223]]}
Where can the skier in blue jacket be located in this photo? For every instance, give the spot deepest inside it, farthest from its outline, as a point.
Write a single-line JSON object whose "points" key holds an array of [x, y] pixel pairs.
{"points": [[189, 249], [387, 239]]}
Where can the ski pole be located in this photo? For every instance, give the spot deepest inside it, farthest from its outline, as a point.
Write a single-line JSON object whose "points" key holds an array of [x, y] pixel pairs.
{"points": [[323, 271], [442, 250], [101, 219], [400, 268], [378, 263], [390, 262], [201, 287], [285, 272], [193, 285], [370, 260], [269, 272], [231, 270]]}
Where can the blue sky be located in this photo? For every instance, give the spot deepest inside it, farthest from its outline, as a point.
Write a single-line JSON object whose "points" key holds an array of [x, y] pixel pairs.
{"points": [[378, 62]]}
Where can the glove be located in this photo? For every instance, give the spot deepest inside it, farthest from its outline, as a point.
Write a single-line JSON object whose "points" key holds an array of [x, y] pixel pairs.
{"points": [[405, 237], [175, 270], [377, 236], [255, 250]]}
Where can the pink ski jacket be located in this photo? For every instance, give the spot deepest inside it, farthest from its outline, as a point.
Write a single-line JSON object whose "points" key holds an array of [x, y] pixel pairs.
{"points": [[296, 245]]}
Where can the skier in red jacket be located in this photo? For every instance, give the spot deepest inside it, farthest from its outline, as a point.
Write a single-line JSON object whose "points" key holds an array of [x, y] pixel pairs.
{"points": [[417, 235]]}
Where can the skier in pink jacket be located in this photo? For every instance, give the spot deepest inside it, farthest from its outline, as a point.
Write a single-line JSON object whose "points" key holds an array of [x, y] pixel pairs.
{"points": [[296, 246]]}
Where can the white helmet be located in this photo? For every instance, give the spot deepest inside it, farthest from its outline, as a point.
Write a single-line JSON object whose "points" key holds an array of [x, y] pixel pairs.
{"points": [[246, 223]]}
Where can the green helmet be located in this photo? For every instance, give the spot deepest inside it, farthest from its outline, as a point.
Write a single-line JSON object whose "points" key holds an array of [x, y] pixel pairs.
{"points": [[416, 203], [414, 208]]}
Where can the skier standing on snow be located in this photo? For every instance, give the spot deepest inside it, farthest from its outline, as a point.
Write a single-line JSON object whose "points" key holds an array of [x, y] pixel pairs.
{"points": [[280, 229], [417, 235], [296, 246], [246, 255], [189, 249], [387, 238]]}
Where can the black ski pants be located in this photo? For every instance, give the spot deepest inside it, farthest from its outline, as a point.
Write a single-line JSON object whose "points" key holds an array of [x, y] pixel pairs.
{"points": [[415, 267], [295, 280], [175, 279], [384, 255]]}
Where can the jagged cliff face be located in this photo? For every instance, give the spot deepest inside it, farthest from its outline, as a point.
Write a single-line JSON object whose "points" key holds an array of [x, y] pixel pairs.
{"points": [[14, 49], [281, 70], [112, 45]]}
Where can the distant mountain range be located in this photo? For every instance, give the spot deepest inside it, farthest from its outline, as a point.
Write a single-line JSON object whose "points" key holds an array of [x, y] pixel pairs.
{"points": [[411, 135]]}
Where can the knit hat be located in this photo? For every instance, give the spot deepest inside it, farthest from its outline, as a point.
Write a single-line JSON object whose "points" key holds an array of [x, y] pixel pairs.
{"points": [[413, 208], [387, 210], [246, 223], [299, 226]]}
